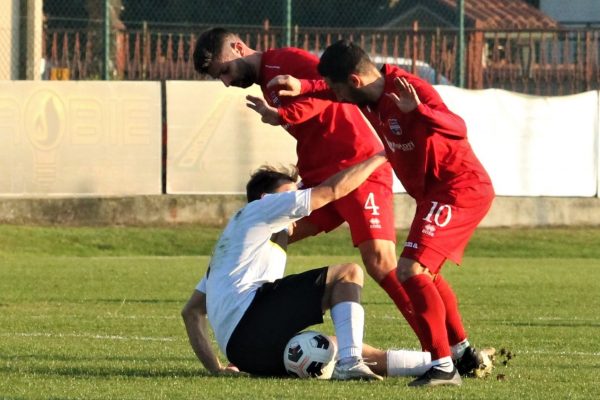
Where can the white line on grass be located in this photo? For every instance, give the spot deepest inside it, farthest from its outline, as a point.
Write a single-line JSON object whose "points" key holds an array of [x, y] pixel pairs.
{"points": [[171, 339], [88, 336]]}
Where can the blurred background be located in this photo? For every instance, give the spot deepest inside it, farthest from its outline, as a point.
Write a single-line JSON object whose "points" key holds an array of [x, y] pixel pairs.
{"points": [[544, 47], [100, 98]]}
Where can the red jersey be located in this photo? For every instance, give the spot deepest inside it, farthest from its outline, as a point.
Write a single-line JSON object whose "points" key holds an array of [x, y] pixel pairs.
{"points": [[330, 136], [427, 147]]}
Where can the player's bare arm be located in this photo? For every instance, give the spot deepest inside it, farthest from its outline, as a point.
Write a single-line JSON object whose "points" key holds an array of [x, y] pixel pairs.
{"points": [[288, 85], [269, 115], [345, 181], [196, 324], [406, 98]]}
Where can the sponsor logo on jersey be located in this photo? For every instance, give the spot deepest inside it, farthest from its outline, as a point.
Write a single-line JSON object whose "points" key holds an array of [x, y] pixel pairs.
{"points": [[395, 126], [409, 146], [412, 245], [272, 66], [429, 230]]}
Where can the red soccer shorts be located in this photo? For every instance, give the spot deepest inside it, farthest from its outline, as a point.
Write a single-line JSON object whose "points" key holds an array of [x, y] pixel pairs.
{"points": [[369, 210], [441, 231]]}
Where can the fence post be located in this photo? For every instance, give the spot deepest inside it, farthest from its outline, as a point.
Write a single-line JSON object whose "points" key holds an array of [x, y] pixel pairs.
{"points": [[106, 39], [288, 23], [460, 62]]}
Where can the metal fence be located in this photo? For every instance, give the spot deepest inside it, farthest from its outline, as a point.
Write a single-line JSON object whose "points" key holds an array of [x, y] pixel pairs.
{"points": [[154, 40]]}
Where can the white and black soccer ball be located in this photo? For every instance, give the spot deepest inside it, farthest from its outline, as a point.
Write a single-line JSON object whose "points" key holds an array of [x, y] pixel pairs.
{"points": [[310, 354]]}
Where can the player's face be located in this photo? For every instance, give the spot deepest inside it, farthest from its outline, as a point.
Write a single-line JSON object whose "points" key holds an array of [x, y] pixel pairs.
{"points": [[348, 93], [232, 69]]}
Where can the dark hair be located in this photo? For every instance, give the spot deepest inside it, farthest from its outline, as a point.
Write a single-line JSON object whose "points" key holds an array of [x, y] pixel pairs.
{"points": [[268, 179], [208, 47], [342, 59]]}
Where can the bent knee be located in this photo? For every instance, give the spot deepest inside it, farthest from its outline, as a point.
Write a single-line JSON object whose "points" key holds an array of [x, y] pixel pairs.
{"points": [[353, 273], [408, 268], [349, 272]]}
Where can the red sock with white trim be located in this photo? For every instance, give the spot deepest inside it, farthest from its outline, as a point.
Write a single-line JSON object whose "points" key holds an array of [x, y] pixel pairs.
{"points": [[454, 325], [396, 292], [430, 314]]}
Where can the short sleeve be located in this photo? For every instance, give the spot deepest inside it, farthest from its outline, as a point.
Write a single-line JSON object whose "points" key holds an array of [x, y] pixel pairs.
{"points": [[201, 286], [280, 209]]}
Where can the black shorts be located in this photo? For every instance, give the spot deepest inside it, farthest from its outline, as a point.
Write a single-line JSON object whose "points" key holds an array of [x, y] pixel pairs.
{"points": [[279, 310]]}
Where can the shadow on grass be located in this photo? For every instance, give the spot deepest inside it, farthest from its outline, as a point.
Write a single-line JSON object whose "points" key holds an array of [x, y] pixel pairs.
{"points": [[59, 357], [127, 372]]}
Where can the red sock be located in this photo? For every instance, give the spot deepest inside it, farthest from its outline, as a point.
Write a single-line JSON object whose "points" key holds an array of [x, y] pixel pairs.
{"points": [[394, 289], [454, 326], [430, 314]]}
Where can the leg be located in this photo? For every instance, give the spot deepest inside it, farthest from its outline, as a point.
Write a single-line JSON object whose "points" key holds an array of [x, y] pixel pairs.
{"points": [[397, 362], [344, 284], [469, 361], [379, 257], [430, 314], [454, 326], [342, 293]]}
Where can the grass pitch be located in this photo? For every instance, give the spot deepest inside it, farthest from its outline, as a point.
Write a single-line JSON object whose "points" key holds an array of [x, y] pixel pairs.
{"points": [[93, 313]]}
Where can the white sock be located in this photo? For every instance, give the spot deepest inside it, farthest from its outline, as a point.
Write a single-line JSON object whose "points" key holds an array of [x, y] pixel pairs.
{"points": [[444, 364], [348, 320], [459, 349], [407, 363]]}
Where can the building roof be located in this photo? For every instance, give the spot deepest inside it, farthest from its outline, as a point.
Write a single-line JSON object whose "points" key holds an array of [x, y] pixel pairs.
{"points": [[485, 14]]}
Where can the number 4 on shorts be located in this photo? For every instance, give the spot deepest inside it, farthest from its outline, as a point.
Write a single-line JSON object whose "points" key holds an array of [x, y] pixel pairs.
{"points": [[370, 204]]}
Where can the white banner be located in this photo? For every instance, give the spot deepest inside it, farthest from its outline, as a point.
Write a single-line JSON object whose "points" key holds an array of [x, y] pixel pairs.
{"points": [[215, 141], [532, 146], [80, 138]]}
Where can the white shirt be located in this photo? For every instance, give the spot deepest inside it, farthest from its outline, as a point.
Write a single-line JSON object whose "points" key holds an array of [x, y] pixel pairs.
{"points": [[244, 258]]}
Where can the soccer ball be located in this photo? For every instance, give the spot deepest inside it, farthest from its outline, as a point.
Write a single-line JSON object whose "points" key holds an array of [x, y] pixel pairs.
{"points": [[310, 354]]}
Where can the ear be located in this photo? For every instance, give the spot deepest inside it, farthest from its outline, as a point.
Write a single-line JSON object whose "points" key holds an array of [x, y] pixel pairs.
{"points": [[237, 47], [355, 81]]}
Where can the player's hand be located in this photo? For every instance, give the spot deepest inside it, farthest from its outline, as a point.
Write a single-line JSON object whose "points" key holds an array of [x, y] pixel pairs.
{"points": [[406, 99], [230, 369], [287, 85], [269, 115]]}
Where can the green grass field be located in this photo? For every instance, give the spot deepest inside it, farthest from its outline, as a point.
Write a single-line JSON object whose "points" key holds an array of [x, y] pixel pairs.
{"points": [[93, 313]]}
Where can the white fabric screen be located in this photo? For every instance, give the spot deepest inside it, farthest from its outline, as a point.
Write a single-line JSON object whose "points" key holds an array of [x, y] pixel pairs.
{"points": [[532, 146]]}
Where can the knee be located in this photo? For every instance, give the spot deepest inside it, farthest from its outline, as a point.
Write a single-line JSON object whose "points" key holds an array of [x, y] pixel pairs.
{"points": [[352, 273], [408, 268], [379, 262]]}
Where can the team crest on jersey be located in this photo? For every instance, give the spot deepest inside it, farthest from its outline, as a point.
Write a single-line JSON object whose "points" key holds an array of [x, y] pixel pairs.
{"points": [[394, 126]]}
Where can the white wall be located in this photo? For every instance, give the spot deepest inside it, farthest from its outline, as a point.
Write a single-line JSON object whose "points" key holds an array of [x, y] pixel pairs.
{"points": [[80, 138], [215, 141], [104, 138]]}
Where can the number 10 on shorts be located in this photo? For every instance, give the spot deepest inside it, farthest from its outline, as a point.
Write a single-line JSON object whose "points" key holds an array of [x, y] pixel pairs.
{"points": [[439, 214]]}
